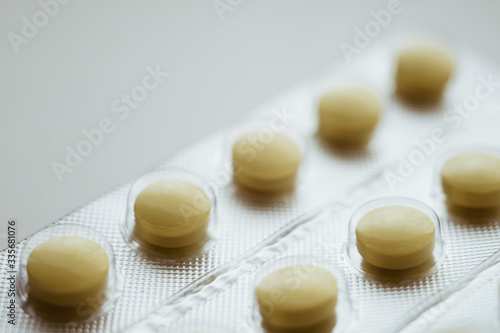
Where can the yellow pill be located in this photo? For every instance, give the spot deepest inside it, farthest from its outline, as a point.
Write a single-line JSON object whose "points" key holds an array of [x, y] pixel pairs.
{"points": [[297, 296], [349, 115], [472, 180], [395, 237], [172, 213], [266, 161], [67, 271], [423, 70]]}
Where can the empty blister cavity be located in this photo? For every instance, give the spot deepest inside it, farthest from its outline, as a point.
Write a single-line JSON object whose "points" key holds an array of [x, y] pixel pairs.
{"points": [[394, 239], [266, 157], [468, 179], [68, 274], [171, 214], [301, 294]]}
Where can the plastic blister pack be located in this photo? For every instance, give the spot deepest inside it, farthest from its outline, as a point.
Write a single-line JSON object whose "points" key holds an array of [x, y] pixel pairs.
{"points": [[470, 305], [253, 231], [91, 305]]}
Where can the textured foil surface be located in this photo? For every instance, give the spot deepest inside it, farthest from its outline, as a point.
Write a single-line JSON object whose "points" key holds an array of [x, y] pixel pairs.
{"points": [[228, 298], [217, 286], [472, 304]]}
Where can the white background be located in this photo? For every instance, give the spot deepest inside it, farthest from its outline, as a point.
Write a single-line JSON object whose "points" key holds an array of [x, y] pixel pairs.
{"points": [[64, 79]]}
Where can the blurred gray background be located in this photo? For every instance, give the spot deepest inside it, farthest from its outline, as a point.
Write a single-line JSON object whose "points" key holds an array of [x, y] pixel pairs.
{"points": [[67, 68]]}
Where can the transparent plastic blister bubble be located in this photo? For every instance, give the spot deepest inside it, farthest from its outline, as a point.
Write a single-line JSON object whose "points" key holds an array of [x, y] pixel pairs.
{"points": [[473, 205], [249, 139], [216, 285], [299, 269], [39, 303], [407, 264], [324, 233], [171, 247]]}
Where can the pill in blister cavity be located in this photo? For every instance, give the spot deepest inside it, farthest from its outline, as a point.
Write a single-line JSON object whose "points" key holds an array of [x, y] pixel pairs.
{"points": [[68, 273], [170, 214], [423, 71], [394, 239], [66, 270], [301, 294], [349, 115], [305, 295], [266, 161], [472, 180], [229, 302]]}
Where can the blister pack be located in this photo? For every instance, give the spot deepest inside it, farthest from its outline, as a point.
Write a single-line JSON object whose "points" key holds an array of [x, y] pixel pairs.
{"points": [[211, 287], [470, 305]]}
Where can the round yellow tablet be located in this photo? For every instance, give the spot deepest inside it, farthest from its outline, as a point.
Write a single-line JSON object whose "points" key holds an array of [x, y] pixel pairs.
{"points": [[349, 115], [266, 161], [423, 70], [297, 296], [472, 180], [395, 237], [67, 271], [172, 213]]}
